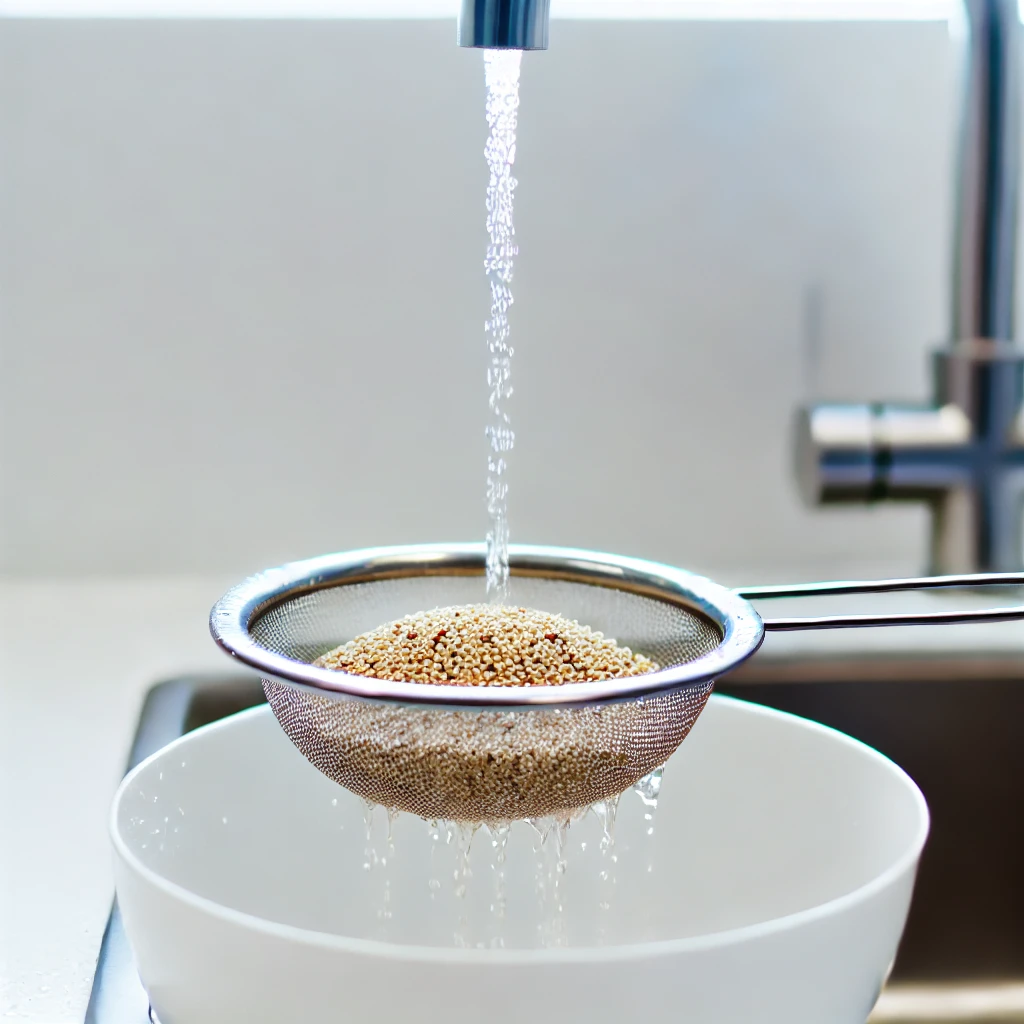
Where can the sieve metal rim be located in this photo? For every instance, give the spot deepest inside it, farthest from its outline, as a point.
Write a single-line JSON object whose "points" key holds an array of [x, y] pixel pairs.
{"points": [[741, 627]]}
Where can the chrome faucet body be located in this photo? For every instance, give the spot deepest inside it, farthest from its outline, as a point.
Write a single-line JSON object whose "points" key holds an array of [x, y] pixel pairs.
{"points": [[963, 454]]}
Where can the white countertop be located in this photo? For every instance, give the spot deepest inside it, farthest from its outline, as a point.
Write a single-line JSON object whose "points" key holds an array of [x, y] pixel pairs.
{"points": [[76, 658]]}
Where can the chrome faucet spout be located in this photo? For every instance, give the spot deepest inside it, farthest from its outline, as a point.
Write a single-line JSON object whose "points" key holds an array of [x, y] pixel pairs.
{"points": [[504, 24]]}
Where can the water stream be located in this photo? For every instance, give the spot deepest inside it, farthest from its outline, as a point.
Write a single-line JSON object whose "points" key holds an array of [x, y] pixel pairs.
{"points": [[501, 73]]}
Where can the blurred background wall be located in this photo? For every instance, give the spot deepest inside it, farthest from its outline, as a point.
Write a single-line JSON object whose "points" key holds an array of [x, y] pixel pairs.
{"points": [[241, 291]]}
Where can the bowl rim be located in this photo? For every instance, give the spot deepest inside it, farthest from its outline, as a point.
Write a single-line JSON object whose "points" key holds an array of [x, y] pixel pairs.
{"points": [[329, 941]]}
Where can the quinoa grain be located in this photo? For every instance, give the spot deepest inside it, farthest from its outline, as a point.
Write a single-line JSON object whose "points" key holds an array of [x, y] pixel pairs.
{"points": [[486, 645]]}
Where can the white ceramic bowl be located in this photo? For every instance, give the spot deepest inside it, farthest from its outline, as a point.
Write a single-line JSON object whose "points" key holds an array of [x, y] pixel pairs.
{"points": [[781, 869]]}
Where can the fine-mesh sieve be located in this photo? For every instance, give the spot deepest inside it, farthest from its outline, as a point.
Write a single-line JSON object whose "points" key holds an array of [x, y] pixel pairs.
{"points": [[500, 753]]}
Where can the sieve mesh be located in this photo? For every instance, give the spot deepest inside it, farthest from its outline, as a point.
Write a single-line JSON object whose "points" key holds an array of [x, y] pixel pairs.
{"points": [[309, 624], [473, 764], [486, 765]]}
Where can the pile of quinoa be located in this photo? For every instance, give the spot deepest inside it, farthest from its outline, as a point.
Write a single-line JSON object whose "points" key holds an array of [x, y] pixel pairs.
{"points": [[486, 645], [484, 764]]}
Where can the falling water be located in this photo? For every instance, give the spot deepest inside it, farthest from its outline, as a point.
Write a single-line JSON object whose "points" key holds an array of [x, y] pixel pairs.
{"points": [[550, 865], [501, 73], [558, 927], [542, 879], [462, 833], [370, 857], [388, 860], [606, 811], [499, 841], [649, 789], [434, 883], [576, 884], [380, 862]]}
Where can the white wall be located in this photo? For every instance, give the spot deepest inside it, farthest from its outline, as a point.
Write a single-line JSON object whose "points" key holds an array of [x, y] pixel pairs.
{"points": [[241, 295]]}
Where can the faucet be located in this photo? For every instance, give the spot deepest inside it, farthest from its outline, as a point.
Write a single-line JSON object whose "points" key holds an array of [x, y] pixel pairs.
{"points": [[504, 24], [962, 455]]}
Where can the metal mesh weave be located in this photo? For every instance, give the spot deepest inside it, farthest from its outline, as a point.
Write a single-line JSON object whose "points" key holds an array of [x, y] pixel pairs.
{"points": [[484, 765]]}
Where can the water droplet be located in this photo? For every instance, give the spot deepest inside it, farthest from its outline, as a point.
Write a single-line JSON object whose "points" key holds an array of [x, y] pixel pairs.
{"points": [[649, 788]]}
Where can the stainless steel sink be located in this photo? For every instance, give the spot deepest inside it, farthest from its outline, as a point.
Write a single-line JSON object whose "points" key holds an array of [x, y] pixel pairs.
{"points": [[956, 724], [953, 722]]}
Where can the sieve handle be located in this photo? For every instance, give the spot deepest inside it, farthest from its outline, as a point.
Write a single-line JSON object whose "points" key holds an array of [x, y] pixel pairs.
{"points": [[988, 579]]}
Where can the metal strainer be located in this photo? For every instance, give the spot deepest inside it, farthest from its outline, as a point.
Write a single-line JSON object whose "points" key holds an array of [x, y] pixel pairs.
{"points": [[502, 753]]}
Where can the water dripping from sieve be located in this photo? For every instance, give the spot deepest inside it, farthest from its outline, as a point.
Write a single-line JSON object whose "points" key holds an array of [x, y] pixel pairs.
{"points": [[649, 789], [499, 832], [551, 864], [461, 833], [605, 811], [433, 882], [387, 862], [369, 851]]}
